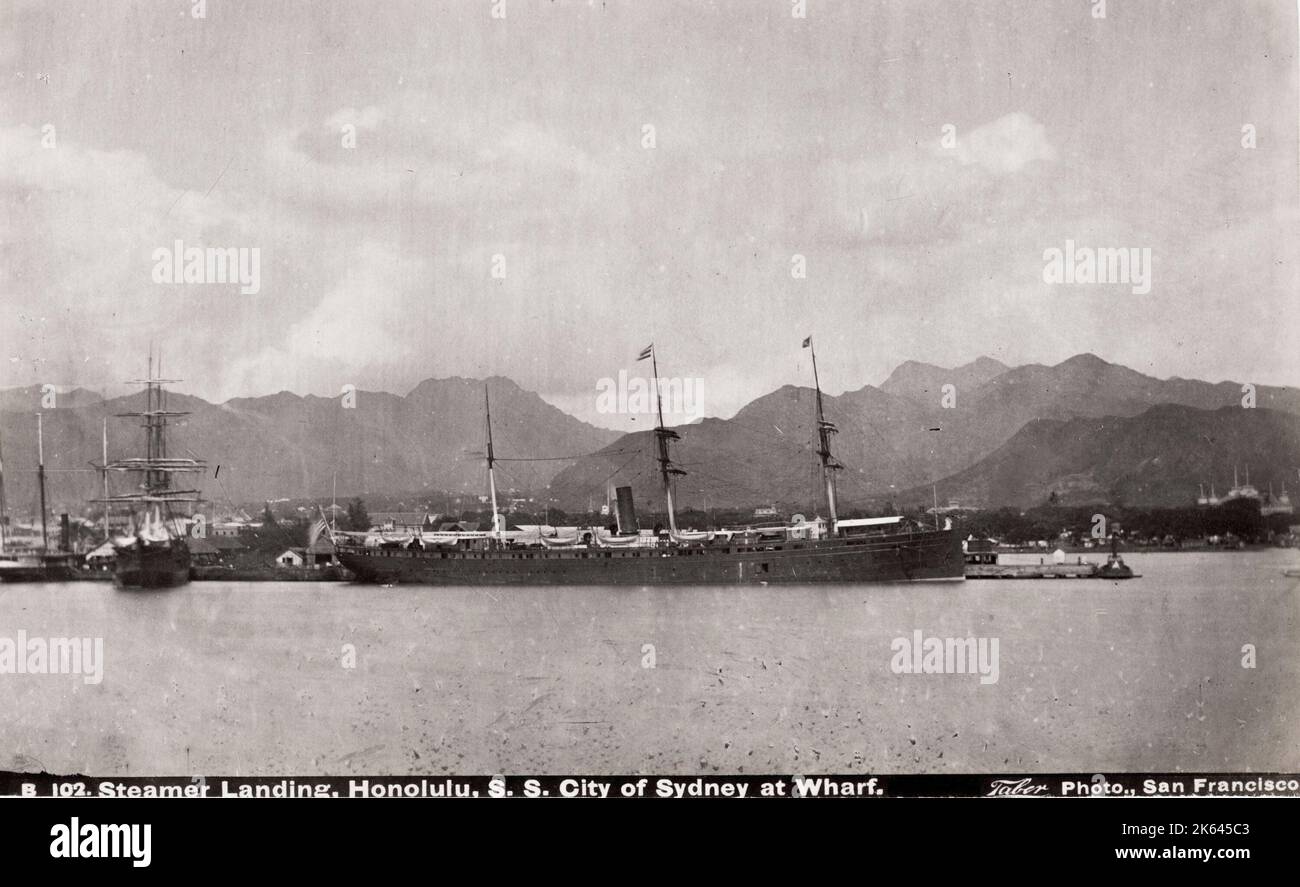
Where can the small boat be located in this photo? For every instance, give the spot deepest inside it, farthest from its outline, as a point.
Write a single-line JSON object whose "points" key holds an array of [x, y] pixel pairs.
{"points": [[608, 541], [1294, 574], [558, 543], [1115, 568]]}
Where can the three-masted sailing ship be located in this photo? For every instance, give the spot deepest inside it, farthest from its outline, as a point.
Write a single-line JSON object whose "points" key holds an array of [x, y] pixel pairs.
{"points": [[865, 550], [154, 553]]}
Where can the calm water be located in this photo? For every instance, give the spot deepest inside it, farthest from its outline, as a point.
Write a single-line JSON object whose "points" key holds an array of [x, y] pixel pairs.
{"points": [[245, 679]]}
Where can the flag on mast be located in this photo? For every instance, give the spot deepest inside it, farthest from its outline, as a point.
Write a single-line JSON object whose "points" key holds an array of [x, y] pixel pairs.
{"points": [[320, 526], [807, 343], [647, 351]]}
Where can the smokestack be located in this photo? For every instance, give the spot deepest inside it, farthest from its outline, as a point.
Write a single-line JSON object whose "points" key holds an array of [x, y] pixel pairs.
{"points": [[626, 512], [65, 534]]}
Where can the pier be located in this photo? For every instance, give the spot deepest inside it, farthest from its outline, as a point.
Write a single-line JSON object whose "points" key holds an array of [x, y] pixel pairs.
{"points": [[1032, 571]]}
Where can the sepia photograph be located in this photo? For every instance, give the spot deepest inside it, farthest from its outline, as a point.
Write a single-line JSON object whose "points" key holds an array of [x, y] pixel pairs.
{"points": [[600, 398]]}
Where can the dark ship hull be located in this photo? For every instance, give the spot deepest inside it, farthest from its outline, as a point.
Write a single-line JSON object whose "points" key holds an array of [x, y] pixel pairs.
{"points": [[896, 557], [44, 568], [152, 565]]}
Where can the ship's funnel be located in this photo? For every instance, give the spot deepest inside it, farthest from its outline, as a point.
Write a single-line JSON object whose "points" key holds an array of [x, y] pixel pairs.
{"points": [[65, 534], [626, 512]]}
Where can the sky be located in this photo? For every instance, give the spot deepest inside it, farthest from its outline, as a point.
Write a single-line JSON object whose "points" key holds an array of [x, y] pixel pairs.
{"points": [[434, 190]]}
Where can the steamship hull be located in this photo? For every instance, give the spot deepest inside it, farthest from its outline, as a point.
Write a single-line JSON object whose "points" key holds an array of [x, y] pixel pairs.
{"points": [[46, 568], [900, 557], [152, 566]]}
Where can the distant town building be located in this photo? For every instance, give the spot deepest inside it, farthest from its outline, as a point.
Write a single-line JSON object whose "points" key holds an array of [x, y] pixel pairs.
{"points": [[953, 507], [102, 555], [228, 545], [290, 557], [463, 526], [203, 552], [319, 554], [231, 523], [401, 521], [980, 551]]}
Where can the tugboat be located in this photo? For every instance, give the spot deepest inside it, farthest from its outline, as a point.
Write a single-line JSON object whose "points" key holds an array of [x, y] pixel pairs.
{"points": [[855, 551], [155, 554], [1115, 568]]}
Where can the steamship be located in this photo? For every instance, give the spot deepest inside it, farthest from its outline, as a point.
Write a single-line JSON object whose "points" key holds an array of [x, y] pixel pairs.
{"points": [[885, 549], [41, 565]]}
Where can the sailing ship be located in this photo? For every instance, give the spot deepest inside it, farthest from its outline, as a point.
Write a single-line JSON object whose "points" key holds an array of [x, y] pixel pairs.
{"points": [[865, 550], [154, 554], [41, 565]]}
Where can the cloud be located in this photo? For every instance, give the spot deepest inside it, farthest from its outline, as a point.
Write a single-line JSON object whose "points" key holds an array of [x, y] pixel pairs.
{"points": [[82, 223], [1004, 146], [367, 118], [929, 195], [77, 238], [361, 325], [476, 140], [419, 154]]}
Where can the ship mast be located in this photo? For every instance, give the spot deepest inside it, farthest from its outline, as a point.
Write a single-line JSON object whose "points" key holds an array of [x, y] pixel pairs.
{"points": [[4, 506], [824, 431], [157, 468], [105, 473], [662, 438], [40, 474], [491, 459]]}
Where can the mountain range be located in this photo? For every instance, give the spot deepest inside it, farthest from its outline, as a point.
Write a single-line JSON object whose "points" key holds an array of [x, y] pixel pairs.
{"points": [[982, 434], [1159, 457], [911, 432], [288, 446]]}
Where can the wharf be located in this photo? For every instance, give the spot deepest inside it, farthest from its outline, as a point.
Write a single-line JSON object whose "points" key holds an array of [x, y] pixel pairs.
{"points": [[1032, 571]]}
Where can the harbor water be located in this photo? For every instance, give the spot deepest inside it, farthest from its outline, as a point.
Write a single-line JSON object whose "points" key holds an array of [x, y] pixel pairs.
{"points": [[302, 678]]}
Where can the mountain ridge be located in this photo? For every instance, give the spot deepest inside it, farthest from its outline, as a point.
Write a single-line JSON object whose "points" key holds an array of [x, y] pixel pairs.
{"points": [[1158, 457], [894, 438]]}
